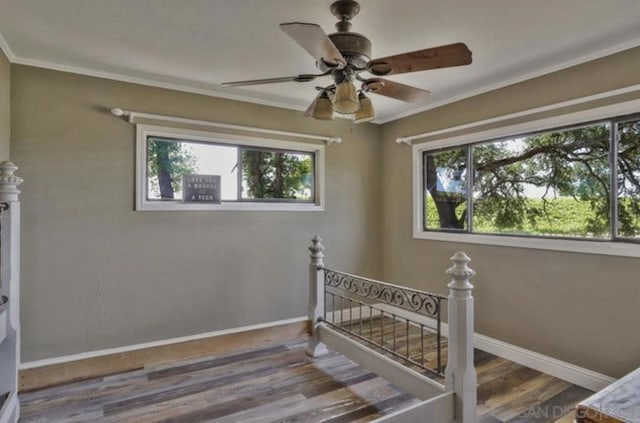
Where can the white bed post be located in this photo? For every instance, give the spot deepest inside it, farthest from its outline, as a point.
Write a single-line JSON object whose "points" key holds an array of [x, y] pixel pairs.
{"points": [[316, 295], [460, 374], [10, 288]]}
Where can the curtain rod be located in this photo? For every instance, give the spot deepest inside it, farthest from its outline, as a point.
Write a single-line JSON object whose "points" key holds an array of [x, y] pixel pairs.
{"points": [[131, 115]]}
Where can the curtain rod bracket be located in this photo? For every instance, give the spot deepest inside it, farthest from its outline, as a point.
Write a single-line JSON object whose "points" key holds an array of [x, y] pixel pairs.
{"points": [[401, 140]]}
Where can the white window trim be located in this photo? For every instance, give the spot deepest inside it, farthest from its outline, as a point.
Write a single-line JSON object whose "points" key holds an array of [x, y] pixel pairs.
{"points": [[579, 246], [142, 204]]}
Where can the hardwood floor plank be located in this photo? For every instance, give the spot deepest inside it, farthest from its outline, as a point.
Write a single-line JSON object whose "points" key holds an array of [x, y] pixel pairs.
{"points": [[555, 407], [231, 407], [494, 369], [508, 400], [480, 357], [220, 361], [274, 410], [333, 385], [182, 391], [321, 413], [78, 395], [488, 418], [371, 410], [530, 394], [503, 385], [569, 418]]}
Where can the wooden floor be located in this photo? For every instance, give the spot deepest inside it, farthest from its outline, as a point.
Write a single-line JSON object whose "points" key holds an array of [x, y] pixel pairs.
{"points": [[279, 383]]}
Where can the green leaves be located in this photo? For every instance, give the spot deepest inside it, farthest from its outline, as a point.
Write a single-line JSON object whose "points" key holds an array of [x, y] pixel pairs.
{"points": [[277, 175], [523, 183], [168, 161]]}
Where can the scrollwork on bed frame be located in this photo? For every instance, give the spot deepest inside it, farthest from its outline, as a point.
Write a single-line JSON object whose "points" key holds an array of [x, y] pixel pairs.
{"points": [[424, 303]]}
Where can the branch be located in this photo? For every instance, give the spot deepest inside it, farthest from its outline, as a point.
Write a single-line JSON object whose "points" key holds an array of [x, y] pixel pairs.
{"points": [[568, 148], [629, 174]]}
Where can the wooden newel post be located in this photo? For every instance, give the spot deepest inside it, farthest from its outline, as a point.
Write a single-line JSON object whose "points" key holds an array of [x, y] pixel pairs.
{"points": [[9, 292], [460, 374], [316, 295]]}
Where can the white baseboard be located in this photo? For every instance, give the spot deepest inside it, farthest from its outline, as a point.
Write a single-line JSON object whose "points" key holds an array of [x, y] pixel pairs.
{"points": [[577, 375], [129, 348], [580, 376]]}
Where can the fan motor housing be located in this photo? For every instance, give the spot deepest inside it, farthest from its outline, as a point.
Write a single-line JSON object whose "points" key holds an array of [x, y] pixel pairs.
{"points": [[355, 48]]}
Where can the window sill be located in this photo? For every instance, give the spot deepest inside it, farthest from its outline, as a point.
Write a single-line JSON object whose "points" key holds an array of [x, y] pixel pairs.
{"points": [[610, 248], [177, 206]]}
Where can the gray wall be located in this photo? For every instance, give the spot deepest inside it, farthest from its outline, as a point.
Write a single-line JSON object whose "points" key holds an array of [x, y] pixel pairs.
{"points": [[97, 274], [579, 308], [5, 100]]}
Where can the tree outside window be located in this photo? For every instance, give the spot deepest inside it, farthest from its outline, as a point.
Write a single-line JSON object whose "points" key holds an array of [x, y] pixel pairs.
{"points": [[555, 183]]}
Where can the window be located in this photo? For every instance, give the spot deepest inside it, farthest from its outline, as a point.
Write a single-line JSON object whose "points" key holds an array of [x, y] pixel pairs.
{"points": [[189, 170], [567, 188]]}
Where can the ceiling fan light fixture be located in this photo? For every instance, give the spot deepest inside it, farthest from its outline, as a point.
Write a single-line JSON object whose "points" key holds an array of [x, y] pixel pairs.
{"points": [[366, 112], [323, 108], [345, 100]]}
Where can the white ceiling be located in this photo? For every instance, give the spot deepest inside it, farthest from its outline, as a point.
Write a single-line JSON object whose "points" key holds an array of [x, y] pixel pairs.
{"points": [[195, 45]]}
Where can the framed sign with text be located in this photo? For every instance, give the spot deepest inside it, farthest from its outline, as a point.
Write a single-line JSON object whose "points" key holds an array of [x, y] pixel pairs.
{"points": [[201, 189]]}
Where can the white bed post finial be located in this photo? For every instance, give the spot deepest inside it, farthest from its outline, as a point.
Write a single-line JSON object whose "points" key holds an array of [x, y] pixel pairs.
{"points": [[9, 182], [316, 248], [316, 295], [460, 374]]}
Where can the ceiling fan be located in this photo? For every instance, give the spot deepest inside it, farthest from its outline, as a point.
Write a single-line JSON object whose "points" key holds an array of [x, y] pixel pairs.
{"points": [[345, 55]]}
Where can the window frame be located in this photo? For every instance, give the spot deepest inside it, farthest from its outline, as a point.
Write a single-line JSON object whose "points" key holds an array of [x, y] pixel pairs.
{"points": [[616, 246], [144, 131]]}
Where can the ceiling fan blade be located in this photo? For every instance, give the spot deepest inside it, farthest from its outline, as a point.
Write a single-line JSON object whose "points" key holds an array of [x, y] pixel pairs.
{"points": [[395, 90], [314, 40], [296, 78], [457, 54]]}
